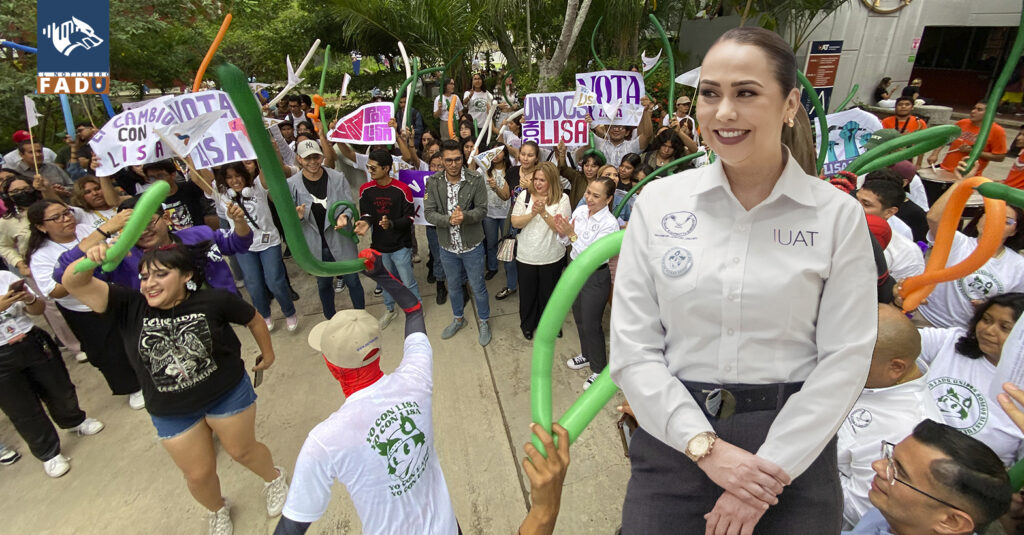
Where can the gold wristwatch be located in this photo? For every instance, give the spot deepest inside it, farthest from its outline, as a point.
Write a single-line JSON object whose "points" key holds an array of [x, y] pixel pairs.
{"points": [[700, 446], [573, 238]]}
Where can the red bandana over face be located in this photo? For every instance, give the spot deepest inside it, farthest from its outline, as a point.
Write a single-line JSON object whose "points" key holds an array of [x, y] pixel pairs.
{"points": [[353, 380]]}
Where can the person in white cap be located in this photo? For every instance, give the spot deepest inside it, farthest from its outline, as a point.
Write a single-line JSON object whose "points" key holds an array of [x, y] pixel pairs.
{"points": [[315, 189], [681, 115], [380, 443]]}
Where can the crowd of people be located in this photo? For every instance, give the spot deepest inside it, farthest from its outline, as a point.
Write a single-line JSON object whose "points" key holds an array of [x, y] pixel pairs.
{"points": [[755, 329]]}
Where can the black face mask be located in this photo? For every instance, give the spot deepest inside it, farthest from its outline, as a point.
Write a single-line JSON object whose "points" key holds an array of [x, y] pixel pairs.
{"points": [[25, 199]]}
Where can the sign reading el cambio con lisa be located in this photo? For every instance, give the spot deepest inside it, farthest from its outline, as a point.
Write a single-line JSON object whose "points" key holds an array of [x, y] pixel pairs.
{"points": [[74, 47]]}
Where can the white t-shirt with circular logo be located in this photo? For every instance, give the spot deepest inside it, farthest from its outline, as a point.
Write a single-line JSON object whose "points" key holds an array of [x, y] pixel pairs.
{"points": [[960, 387], [949, 305]]}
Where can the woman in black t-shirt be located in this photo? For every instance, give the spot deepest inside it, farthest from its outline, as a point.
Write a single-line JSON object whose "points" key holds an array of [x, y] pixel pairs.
{"points": [[188, 360]]}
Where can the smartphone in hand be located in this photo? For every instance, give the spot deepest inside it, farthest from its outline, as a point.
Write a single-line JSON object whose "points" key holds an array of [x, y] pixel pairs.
{"points": [[16, 286], [257, 379]]}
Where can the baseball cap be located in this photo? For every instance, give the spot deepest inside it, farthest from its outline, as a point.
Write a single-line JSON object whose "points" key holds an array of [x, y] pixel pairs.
{"points": [[683, 100], [20, 135], [905, 169], [351, 339], [307, 147], [880, 229], [881, 136]]}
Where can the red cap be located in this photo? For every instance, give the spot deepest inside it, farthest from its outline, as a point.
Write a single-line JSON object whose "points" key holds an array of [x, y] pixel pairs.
{"points": [[21, 135], [905, 169], [880, 229]]}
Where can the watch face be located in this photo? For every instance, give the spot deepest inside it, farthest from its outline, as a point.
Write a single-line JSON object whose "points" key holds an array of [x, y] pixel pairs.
{"points": [[699, 445]]}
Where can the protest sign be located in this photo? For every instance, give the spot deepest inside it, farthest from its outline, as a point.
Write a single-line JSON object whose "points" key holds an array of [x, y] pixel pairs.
{"points": [[130, 137], [368, 125], [183, 138], [595, 89], [848, 131], [484, 159], [417, 182], [551, 117]]}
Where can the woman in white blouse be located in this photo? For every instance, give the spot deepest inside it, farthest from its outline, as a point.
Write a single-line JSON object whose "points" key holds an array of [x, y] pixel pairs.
{"points": [[591, 222], [540, 248], [744, 318]]}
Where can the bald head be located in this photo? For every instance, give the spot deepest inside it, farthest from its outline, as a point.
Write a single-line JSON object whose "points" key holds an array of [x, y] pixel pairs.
{"points": [[896, 348]]}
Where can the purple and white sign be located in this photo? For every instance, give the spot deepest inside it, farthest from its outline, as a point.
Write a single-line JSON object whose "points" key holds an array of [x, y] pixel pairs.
{"points": [[551, 117], [417, 182], [368, 125], [611, 97], [130, 137]]}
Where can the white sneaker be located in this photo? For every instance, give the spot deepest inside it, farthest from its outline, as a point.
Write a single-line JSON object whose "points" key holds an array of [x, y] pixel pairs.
{"points": [[220, 521], [387, 318], [276, 491], [578, 362], [88, 427], [292, 322], [136, 401], [339, 286], [81, 357], [57, 466], [590, 380], [270, 323], [8, 456]]}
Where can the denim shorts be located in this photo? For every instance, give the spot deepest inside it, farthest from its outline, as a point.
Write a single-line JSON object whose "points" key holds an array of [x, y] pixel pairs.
{"points": [[239, 398]]}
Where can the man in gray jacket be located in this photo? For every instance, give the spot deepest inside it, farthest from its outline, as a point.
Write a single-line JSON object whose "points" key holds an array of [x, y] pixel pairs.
{"points": [[456, 203], [314, 189]]}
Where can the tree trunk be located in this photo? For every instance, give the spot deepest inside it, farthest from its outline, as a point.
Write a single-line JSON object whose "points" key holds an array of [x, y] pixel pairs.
{"points": [[500, 35], [575, 14]]}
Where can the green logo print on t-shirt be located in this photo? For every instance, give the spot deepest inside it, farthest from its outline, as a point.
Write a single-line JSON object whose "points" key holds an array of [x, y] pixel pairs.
{"points": [[396, 437]]}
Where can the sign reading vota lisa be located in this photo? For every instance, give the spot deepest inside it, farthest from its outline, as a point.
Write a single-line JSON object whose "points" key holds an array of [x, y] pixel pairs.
{"points": [[74, 47], [611, 97], [549, 118]]}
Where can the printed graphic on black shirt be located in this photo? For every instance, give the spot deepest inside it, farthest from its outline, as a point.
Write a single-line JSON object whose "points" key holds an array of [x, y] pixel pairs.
{"points": [[181, 218], [178, 352], [396, 437]]}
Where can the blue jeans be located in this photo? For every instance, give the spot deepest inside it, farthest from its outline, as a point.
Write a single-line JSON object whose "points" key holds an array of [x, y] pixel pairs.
{"points": [[263, 270], [325, 287], [435, 252], [458, 267], [492, 236], [400, 263]]}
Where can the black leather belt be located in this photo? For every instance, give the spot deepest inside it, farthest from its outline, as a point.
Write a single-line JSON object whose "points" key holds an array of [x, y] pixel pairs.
{"points": [[722, 401]]}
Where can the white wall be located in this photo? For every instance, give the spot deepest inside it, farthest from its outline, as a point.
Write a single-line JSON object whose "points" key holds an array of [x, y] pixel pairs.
{"points": [[880, 45]]}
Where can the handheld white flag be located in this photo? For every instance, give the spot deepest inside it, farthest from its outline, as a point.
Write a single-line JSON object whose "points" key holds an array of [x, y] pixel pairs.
{"points": [[344, 84], [182, 138], [689, 78], [649, 63], [31, 115]]}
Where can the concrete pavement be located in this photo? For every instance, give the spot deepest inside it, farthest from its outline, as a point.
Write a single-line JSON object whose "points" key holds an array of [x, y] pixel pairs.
{"points": [[122, 481]]}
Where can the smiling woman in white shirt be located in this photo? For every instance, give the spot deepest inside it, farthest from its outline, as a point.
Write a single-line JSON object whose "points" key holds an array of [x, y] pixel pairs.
{"points": [[590, 222], [744, 318], [962, 366]]}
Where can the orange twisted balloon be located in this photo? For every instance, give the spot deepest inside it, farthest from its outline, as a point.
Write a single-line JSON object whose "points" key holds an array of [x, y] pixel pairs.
{"points": [[209, 53]]}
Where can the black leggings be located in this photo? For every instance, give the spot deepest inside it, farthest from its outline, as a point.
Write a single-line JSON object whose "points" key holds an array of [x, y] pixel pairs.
{"points": [[102, 343]]}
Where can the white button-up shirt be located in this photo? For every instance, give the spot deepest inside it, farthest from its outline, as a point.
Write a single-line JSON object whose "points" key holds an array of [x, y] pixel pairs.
{"points": [[708, 291], [889, 414], [590, 228]]}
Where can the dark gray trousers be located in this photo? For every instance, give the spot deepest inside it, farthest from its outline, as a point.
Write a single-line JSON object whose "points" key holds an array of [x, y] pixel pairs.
{"points": [[669, 494], [588, 311]]}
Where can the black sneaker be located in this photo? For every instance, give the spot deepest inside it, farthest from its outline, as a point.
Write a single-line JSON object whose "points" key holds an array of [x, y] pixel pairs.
{"points": [[442, 293], [488, 275], [431, 279], [505, 292], [293, 294]]}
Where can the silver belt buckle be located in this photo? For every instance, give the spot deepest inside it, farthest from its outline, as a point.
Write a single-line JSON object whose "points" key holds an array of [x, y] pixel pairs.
{"points": [[720, 403]]}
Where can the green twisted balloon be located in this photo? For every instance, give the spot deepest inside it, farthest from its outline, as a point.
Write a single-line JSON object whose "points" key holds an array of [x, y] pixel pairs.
{"points": [[593, 46], [822, 121], [668, 57], [997, 93], [654, 174], [235, 85], [142, 215], [917, 143]]}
